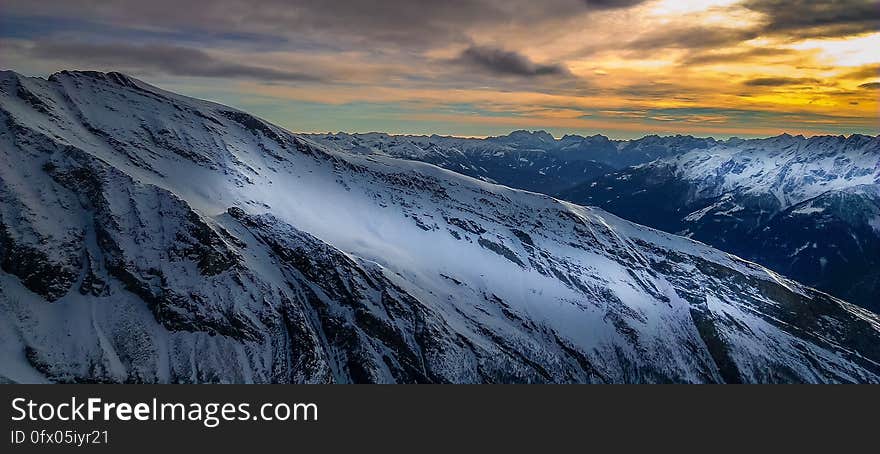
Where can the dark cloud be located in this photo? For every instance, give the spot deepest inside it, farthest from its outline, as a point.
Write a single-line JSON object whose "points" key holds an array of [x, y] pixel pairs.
{"points": [[705, 58], [395, 23], [780, 81], [865, 72], [657, 91], [818, 18], [385, 26], [171, 60], [696, 37], [793, 19], [500, 61], [870, 86], [611, 4]]}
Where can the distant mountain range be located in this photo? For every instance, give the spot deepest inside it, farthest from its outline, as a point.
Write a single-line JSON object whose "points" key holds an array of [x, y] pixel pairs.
{"points": [[807, 208], [533, 161], [151, 237]]}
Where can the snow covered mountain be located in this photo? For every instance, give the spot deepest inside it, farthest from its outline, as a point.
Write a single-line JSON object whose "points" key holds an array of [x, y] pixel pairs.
{"points": [[831, 241], [805, 207], [150, 237], [626, 153], [534, 161]]}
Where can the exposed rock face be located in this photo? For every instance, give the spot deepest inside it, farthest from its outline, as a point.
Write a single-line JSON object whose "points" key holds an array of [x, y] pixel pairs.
{"points": [[149, 237]]}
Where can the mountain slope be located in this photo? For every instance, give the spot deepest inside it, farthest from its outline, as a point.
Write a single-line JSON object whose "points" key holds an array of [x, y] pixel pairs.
{"points": [[149, 237], [832, 241], [764, 200]]}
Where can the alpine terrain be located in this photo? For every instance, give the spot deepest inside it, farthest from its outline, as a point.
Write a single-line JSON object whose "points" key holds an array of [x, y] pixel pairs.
{"points": [[151, 237], [530, 160], [808, 208]]}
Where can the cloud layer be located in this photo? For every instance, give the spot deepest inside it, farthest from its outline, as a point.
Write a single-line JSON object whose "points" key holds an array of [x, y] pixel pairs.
{"points": [[499, 61], [167, 59], [465, 66]]}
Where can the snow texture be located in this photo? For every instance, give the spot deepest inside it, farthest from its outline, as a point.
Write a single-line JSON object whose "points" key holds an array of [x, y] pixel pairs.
{"points": [[150, 237]]}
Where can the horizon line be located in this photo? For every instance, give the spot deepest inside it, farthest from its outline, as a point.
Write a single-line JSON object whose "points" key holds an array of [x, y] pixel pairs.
{"points": [[613, 137]]}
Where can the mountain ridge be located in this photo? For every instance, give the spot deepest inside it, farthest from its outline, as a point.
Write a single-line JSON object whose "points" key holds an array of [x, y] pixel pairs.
{"points": [[684, 185], [161, 238], [781, 135], [730, 195]]}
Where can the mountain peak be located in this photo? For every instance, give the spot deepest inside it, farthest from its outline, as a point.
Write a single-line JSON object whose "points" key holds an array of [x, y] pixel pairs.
{"points": [[522, 133]]}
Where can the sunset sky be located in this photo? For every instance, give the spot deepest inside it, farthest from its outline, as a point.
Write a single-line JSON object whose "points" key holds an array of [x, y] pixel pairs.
{"points": [[623, 68]]}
